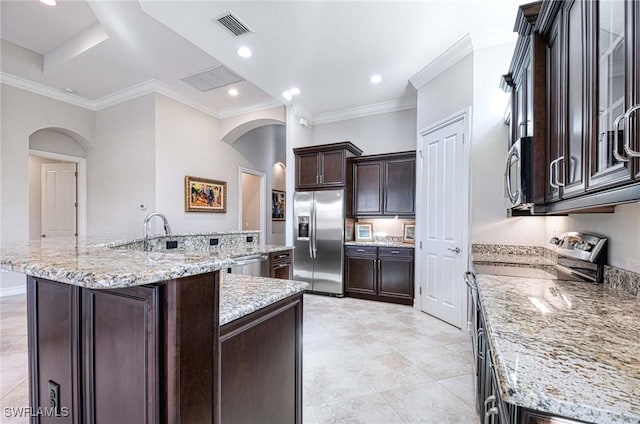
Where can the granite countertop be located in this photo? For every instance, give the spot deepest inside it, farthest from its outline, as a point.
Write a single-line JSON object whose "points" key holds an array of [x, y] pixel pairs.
{"points": [[89, 263], [566, 348], [511, 259], [241, 295], [379, 244]]}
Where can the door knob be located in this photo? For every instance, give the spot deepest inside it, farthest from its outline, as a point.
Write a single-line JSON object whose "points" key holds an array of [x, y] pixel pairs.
{"points": [[456, 250]]}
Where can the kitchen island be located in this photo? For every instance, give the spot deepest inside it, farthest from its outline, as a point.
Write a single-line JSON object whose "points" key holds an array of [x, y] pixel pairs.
{"points": [[559, 348], [123, 335]]}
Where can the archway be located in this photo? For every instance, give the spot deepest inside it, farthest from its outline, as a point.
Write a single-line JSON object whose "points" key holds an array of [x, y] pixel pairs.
{"points": [[57, 183]]}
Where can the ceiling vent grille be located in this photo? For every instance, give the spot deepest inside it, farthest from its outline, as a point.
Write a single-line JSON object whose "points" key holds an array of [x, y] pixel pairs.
{"points": [[233, 24], [211, 78]]}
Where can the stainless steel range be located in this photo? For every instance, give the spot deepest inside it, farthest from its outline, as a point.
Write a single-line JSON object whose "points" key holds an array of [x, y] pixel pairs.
{"points": [[581, 257]]}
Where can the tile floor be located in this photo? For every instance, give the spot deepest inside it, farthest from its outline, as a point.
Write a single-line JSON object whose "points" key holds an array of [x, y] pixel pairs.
{"points": [[364, 362]]}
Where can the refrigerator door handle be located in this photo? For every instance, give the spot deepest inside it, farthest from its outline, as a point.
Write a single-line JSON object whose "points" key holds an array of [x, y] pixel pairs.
{"points": [[311, 229], [313, 233]]}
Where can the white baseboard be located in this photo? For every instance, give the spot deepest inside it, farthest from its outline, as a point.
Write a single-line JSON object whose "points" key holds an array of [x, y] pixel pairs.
{"points": [[13, 291]]}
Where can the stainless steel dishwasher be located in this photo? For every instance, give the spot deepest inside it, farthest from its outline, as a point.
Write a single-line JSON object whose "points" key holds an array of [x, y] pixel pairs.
{"points": [[256, 265]]}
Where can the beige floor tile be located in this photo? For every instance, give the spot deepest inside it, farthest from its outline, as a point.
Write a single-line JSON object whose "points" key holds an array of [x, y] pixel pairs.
{"points": [[368, 409], [462, 387], [440, 363], [429, 403]]}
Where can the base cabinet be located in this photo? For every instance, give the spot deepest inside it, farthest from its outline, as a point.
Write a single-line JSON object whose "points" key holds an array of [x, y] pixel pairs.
{"points": [[262, 373], [380, 273], [281, 265]]}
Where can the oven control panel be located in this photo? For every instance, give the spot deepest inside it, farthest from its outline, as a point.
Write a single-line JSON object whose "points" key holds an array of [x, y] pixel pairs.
{"points": [[580, 245]]}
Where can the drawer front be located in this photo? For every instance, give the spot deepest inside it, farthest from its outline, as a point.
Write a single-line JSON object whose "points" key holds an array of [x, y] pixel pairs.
{"points": [[282, 256], [396, 251], [361, 250]]}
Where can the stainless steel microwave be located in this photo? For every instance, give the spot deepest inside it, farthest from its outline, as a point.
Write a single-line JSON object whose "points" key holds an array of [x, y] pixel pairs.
{"points": [[518, 174]]}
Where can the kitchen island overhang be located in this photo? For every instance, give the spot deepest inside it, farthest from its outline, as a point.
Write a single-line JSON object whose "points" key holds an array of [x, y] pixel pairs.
{"points": [[147, 349]]}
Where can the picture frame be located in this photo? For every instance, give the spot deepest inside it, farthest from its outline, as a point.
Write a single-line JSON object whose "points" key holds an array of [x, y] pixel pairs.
{"points": [[364, 232], [278, 205], [204, 195], [409, 233]]}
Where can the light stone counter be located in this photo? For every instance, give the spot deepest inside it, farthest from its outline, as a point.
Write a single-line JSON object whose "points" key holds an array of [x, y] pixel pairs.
{"points": [[379, 244], [241, 295], [565, 348], [90, 263]]}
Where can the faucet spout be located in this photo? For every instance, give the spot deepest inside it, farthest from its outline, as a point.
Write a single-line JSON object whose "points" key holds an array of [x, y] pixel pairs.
{"points": [[145, 227]]}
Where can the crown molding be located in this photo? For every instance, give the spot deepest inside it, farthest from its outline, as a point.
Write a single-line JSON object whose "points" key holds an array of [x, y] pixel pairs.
{"points": [[449, 57], [238, 111], [43, 90], [395, 105]]}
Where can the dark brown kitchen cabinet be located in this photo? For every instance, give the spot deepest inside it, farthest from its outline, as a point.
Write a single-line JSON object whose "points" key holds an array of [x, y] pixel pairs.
{"points": [[281, 264], [380, 273], [384, 185], [324, 166], [579, 60], [526, 80]]}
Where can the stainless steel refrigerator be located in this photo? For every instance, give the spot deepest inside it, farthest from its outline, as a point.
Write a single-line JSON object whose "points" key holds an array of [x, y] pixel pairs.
{"points": [[319, 239]]}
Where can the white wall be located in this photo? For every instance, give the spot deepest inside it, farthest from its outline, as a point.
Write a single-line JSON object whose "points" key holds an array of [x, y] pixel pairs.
{"points": [[35, 195], [22, 114], [121, 169], [622, 228], [383, 133], [489, 222], [56, 142], [250, 201], [297, 136], [446, 94]]}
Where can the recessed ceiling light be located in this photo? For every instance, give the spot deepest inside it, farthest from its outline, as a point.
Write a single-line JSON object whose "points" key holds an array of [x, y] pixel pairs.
{"points": [[233, 92], [70, 90], [375, 79], [244, 52], [49, 2], [294, 90], [287, 95]]}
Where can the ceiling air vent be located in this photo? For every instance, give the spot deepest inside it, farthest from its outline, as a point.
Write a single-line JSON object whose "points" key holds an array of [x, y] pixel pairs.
{"points": [[212, 78], [233, 24]]}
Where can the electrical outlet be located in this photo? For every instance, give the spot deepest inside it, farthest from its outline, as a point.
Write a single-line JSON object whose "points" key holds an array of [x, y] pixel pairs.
{"points": [[213, 242], [172, 244], [249, 239], [54, 397]]}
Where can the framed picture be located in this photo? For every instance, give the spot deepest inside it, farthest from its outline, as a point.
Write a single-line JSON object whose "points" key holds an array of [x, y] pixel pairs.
{"points": [[278, 205], [364, 232], [409, 233], [203, 195]]}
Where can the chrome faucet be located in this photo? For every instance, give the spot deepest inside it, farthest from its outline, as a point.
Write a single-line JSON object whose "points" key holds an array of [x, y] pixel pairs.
{"points": [[145, 229]]}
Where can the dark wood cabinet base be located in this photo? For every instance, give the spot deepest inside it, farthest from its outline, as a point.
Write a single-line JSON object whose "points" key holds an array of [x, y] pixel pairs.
{"points": [[155, 354], [380, 298]]}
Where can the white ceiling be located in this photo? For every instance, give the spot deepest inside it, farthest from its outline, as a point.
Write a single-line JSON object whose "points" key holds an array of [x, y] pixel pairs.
{"points": [[328, 49]]}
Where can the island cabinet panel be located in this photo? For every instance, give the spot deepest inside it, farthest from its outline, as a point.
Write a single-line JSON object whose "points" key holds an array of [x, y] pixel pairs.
{"points": [[262, 372], [144, 354], [53, 350], [121, 371]]}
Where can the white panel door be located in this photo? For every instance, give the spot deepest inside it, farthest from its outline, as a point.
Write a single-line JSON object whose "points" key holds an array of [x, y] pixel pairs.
{"points": [[443, 220], [58, 199]]}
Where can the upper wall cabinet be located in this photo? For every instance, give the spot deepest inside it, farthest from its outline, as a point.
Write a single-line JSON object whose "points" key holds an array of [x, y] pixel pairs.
{"points": [[526, 81], [384, 185], [323, 167], [585, 58]]}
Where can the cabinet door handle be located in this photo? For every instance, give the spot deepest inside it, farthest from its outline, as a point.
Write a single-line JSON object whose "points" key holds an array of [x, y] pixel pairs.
{"points": [[616, 126], [317, 179], [395, 252], [280, 266], [282, 256], [551, 168], [321, 178], [361, 250], [627, 133], [489, 413], [560, 159]]}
